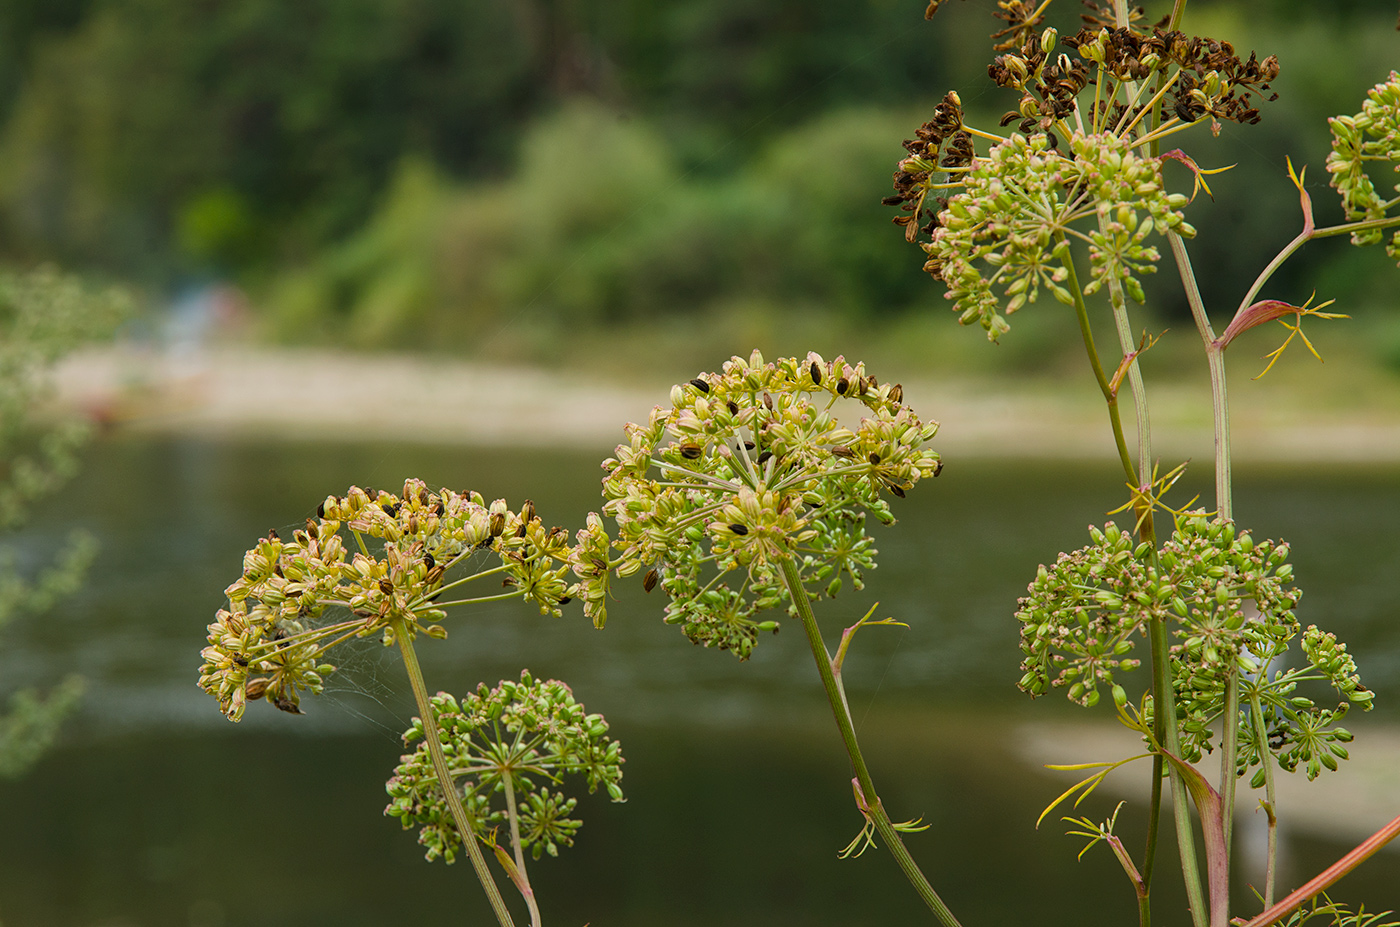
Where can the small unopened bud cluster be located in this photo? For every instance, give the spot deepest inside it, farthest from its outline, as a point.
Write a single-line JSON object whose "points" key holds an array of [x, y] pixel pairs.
{"points": [[1230, 601], [750, 468], [1372, 135], [532, 732]]}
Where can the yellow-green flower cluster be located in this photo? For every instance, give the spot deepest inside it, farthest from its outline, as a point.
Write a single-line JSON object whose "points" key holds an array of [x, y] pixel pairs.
{"points": [[1372, 135], [1011, 225], [270, 640], [749, 468]]}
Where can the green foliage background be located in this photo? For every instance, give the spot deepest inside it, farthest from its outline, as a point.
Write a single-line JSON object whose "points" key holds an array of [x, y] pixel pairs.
{"points": [[473, 175]]}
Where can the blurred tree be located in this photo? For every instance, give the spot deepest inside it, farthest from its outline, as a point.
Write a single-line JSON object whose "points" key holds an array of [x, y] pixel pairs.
{"points": [[248, 138], [140, 122], [132, 129], [42, 315]]}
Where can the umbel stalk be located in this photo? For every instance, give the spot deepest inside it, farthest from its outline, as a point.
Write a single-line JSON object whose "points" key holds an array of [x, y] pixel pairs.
{"points": [[878, 816]]}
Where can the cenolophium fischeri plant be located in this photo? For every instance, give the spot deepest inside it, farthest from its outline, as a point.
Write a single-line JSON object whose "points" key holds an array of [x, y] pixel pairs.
{"points": [[375, 564], [747, 499], [1083, 177]]}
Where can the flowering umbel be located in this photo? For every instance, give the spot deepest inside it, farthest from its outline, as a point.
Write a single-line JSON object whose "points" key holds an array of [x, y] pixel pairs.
{"points": [[271, 639], [749, 468], [998, 228]]}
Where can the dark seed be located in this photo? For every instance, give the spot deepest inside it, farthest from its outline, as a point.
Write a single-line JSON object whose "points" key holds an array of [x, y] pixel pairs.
{"points": [[428, 559], [768, 401], [816, 374], [748, 445], [874, 458], [733, 407], [700, 384], [690, 451], [566, 600], [321, 510], [897, 491], [763, 458], [740, 530], [649, 581], [842, 385], [896, 394], [527, 511], [386, 587]]}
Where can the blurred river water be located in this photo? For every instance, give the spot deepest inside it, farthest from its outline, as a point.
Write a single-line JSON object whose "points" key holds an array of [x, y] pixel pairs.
{"points": [[156, 811]]}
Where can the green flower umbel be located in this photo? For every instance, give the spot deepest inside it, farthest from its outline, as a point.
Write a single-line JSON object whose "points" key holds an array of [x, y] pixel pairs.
{"points": [[749, 468], [505, 747]]}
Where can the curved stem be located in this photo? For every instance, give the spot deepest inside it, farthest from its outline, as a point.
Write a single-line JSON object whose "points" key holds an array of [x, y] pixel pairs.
{"points": [[1305, 236], [522, 878], [444, 775], [1137, 389], [1081, 312], [456, 582], [836, 698]]}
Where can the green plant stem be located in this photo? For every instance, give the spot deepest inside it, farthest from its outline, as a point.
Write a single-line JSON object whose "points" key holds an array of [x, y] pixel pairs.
{"points": [[1229, 756], [1164, 728], [1081, 312], [1139, 392], [444, 775], [836, 698], [1303, 238], [1154, 821], [522, 877], [1261, 740], [1215, 358], [1164, 701]]}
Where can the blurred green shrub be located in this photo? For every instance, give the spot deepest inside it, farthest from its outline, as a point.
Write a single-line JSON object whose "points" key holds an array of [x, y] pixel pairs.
{"points": [[43, 314], [599, 226]]}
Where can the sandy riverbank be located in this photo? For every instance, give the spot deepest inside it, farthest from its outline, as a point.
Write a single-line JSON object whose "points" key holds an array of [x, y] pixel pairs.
{"points": [[313, 394]]}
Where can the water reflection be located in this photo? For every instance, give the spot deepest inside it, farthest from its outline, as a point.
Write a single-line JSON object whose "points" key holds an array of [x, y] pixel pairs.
{"points": [[158, 811]]}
